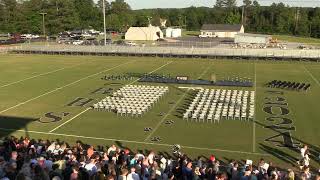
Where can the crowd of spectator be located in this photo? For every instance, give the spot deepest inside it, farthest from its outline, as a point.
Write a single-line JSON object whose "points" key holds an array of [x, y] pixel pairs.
{"points": [[25, 159]]}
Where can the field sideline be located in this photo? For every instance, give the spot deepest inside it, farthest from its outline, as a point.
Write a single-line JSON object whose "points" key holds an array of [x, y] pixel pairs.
{"points": [[34, 88]]}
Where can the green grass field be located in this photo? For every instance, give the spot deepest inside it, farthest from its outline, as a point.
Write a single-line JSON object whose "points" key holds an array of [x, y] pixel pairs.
{"points": [[295, 39], [190, 33], [32, 86]]}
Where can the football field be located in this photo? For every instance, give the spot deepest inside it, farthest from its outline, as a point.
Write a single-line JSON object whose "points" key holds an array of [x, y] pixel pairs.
{"points": [[50, 97]]}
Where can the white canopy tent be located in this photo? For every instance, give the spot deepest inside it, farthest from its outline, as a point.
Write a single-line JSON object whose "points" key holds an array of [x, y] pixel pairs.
{"points": [[151, 33]]}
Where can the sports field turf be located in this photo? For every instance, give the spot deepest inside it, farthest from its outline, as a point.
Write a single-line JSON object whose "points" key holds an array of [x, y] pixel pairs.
{"points": [[33, 85]]}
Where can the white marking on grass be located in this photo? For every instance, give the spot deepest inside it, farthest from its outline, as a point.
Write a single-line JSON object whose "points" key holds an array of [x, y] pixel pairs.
{"points": [[164, 118], [311, 75], [35, 76], [135, 142], [59, 88], [192, 88], [90, 108], [254, 123], [69, 120], [177, 103]]}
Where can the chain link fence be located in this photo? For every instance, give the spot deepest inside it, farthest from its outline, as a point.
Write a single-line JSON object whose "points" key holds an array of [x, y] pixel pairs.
{"points": [[217, 52]]}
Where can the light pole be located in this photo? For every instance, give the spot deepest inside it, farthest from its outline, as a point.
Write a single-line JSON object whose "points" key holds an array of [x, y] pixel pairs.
{"points": [[104, 22], [43, 26]]}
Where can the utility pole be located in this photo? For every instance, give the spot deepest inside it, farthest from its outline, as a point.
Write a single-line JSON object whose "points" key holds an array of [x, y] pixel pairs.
{"points": [[43, 25], [104, 22], [242, 15]]}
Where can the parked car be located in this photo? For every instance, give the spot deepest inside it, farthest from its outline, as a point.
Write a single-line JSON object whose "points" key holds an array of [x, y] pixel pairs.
{"points": [[130, 43], [206, 36], [101, 42], [119, 42], [78, 42]]}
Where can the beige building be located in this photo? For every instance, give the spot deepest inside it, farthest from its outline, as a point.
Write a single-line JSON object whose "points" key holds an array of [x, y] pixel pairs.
{"points": [[221, 30], [151, 33]]}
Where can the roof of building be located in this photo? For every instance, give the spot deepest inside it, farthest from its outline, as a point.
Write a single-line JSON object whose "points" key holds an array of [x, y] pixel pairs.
{"points": [[221, 27], [254, 35], [149, 28]]}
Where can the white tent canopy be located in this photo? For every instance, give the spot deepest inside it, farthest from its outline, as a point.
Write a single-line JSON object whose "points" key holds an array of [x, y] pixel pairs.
{"points": [[151, 33]]}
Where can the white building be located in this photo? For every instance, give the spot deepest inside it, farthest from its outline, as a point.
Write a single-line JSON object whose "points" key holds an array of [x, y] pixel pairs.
{"points": [[246, 38], [173, 32], [151, 33], [221, 30]]}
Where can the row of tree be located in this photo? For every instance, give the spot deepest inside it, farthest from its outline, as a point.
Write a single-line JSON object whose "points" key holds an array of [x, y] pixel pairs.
{"points": [[24, 16]]}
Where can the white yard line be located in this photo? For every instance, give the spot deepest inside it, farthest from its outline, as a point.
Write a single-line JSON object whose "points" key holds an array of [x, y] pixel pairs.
{"points": [[253, 122], [35, 76], [59, 88], [311, 75], [177, 103], [90, 108], [69, 120], [131, 141], [164, 118]]}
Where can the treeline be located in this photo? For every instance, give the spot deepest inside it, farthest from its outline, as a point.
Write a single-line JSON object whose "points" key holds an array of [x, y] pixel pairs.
{"points": [[24, 16]]}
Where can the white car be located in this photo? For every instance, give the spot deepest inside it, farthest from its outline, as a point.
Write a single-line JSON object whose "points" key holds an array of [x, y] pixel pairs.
{"points": [[77, 42], [205, 36], [131, 43]]}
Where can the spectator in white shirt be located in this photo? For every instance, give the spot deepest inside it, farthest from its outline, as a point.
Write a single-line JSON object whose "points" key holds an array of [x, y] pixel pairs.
{"points": [[91, 166], [112, 150], [133, 175], [302, 155]]}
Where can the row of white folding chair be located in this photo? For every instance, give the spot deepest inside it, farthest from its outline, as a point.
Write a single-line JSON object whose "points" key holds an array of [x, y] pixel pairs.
{"points": [[114, 107], [134, 98], [132, 112], [225, 113], [140, 92], [137, 95], [130, 100], [144, 87], [189, 111], [128, 105]]}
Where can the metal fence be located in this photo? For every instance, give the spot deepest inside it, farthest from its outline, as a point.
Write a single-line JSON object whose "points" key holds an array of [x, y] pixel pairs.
{"points": [[226, 52], [6, 49]]}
